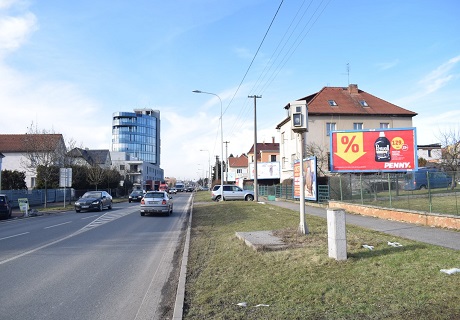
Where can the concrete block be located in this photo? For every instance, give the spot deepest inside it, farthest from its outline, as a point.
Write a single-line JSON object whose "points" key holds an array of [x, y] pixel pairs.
{"points": [[336, 233]]}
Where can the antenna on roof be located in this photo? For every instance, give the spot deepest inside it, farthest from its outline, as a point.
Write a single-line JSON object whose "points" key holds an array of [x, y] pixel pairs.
{"points": [[348, 73]]}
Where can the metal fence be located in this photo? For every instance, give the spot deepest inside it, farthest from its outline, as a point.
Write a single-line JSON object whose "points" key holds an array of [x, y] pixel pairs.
{"points": [[36, 197], [434, 192]]}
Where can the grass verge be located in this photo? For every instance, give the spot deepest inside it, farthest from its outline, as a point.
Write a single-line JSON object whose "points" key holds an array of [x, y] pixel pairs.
{"points": [[302, 282]]}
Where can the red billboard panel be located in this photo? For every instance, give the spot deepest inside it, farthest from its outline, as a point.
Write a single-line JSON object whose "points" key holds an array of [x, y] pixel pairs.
{"points": [[380, 150]]}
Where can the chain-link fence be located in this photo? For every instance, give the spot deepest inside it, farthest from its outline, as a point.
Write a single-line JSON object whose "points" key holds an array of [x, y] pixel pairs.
{"points": [[424, 190]]}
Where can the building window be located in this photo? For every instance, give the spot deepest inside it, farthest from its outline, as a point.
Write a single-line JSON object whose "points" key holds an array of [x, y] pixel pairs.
{"points": [[273, 158], [358, 126], [384, 125], [332, 103], [429, 153], [330, 126], [239, 170], [122, 167], [363, 103]]}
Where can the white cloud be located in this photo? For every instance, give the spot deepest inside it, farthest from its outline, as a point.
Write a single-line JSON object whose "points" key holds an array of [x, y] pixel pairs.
{"points": [[439, 77], [388, 65], [14, 31]]}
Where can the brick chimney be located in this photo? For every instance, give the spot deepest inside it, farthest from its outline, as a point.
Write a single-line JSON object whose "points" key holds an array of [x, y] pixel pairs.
{"points": [[353, 88]]}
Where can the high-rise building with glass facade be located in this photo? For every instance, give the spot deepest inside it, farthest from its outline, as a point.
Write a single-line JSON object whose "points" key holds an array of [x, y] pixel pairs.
{"points": [[136, 146]]}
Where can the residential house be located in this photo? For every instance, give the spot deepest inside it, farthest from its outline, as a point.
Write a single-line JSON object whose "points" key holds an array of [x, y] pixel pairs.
{"points": [[267, 157], [87, 157], [48, 149], [337, 108], [238, 169], [432, 153]]}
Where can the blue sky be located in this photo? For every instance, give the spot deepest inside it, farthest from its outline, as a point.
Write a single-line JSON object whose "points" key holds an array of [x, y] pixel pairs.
{"points": [[66, 66]]}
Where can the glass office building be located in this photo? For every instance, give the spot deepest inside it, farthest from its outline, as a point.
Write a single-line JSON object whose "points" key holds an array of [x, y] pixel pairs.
{"points": [[137, 134]]}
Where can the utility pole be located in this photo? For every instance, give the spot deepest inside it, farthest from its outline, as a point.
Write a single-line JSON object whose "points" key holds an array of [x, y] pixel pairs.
{"points": [[226, 159], [256, 186]]}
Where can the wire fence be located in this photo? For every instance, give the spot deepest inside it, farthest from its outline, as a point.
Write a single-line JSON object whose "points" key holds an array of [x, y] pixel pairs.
{"points": [[429, 191], [426, 190]]}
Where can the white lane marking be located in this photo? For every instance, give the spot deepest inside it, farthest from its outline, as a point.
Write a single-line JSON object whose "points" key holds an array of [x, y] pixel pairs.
{"points": [[16, 235], [89, 217], [57, 225], [85, 228]]}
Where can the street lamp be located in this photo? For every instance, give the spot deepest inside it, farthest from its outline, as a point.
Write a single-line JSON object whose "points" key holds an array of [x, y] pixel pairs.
{"points": [[221, 142], [209, 167]]}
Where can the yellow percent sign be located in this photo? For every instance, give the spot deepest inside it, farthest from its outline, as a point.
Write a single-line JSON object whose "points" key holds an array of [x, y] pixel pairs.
{"points": [[350, 146]]}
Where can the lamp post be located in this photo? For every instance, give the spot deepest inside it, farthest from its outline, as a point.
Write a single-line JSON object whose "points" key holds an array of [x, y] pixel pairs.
{"points": [[221, 143], [209, 166]]}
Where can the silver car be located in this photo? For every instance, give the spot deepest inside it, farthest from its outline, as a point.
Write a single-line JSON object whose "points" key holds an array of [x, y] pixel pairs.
{"points": [[156, 202], [232, 192]]}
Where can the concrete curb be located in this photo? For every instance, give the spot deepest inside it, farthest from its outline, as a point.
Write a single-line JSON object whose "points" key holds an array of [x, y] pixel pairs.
{"points": [[180, 294]]}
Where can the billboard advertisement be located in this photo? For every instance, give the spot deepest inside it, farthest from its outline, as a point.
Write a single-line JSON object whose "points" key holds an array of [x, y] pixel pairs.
{"points": [[265, 170], [310, 171], [379, 150]]}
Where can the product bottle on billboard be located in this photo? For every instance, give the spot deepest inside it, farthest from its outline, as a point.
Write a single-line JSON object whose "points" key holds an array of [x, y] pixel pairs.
{"points": [[382, 148]]}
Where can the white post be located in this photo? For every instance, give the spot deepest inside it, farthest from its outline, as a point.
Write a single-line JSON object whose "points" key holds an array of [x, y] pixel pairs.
{"points": [[336, 234], [303, 228]]}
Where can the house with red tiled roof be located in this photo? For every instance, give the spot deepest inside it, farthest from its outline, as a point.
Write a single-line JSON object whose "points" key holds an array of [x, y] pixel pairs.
{"points": [[238, 169], [268, 157], [15, 147], [337, 108]]}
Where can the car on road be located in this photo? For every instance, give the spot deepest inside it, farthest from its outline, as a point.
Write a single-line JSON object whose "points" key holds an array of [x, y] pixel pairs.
{"points": [[156, 202], [136, 195], [231, 192], [5, 206], [173, 191], [94, 200], [189, 189]]}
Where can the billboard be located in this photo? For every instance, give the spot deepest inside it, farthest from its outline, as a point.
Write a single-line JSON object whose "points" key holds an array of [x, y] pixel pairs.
{"points": [[265, 170], [310, 171], [379, 150]]}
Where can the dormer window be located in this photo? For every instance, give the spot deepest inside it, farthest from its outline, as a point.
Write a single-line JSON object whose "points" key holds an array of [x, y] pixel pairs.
{"points": [[332, 103], [363, 103]]}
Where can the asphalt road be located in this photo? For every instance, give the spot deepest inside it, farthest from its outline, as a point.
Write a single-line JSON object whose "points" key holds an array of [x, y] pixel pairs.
{"points": [[113, 264]]}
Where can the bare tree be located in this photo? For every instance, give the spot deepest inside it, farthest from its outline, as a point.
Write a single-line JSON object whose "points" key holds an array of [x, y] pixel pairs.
{"points": [[322, 157], [96, 175], [450, 142], [44, 149]]}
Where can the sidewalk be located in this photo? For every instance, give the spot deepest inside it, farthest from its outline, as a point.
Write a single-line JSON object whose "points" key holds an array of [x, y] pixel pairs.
{"points": [[435, 236]]}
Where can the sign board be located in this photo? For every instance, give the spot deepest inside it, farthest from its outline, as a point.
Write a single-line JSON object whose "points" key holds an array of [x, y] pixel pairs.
{"points": [[379, 150], [265, 170], [23, 204], [310, 172], [231, 176], [65, 177]]}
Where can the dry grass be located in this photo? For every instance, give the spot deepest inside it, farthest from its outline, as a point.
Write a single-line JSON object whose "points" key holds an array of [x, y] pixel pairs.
{"points": [[302, 282]]}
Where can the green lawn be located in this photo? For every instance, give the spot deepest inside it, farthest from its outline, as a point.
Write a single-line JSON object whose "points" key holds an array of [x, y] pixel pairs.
{"points": [[303, 282]]}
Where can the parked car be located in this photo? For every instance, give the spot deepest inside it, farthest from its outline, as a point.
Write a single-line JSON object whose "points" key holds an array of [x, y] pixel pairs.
{"points": [[189, 189], [232, 192], [173, 191], [136, 195], [94, 200], [5, 206], [426, 178], [156, 202]]}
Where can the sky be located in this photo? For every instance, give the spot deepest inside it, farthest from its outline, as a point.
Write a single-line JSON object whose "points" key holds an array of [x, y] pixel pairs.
{"points": [[67, 66]]}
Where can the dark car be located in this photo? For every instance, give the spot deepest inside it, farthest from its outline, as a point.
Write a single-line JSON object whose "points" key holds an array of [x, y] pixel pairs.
{"points": [[5, 206], [94, 200], [136, 195]]}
